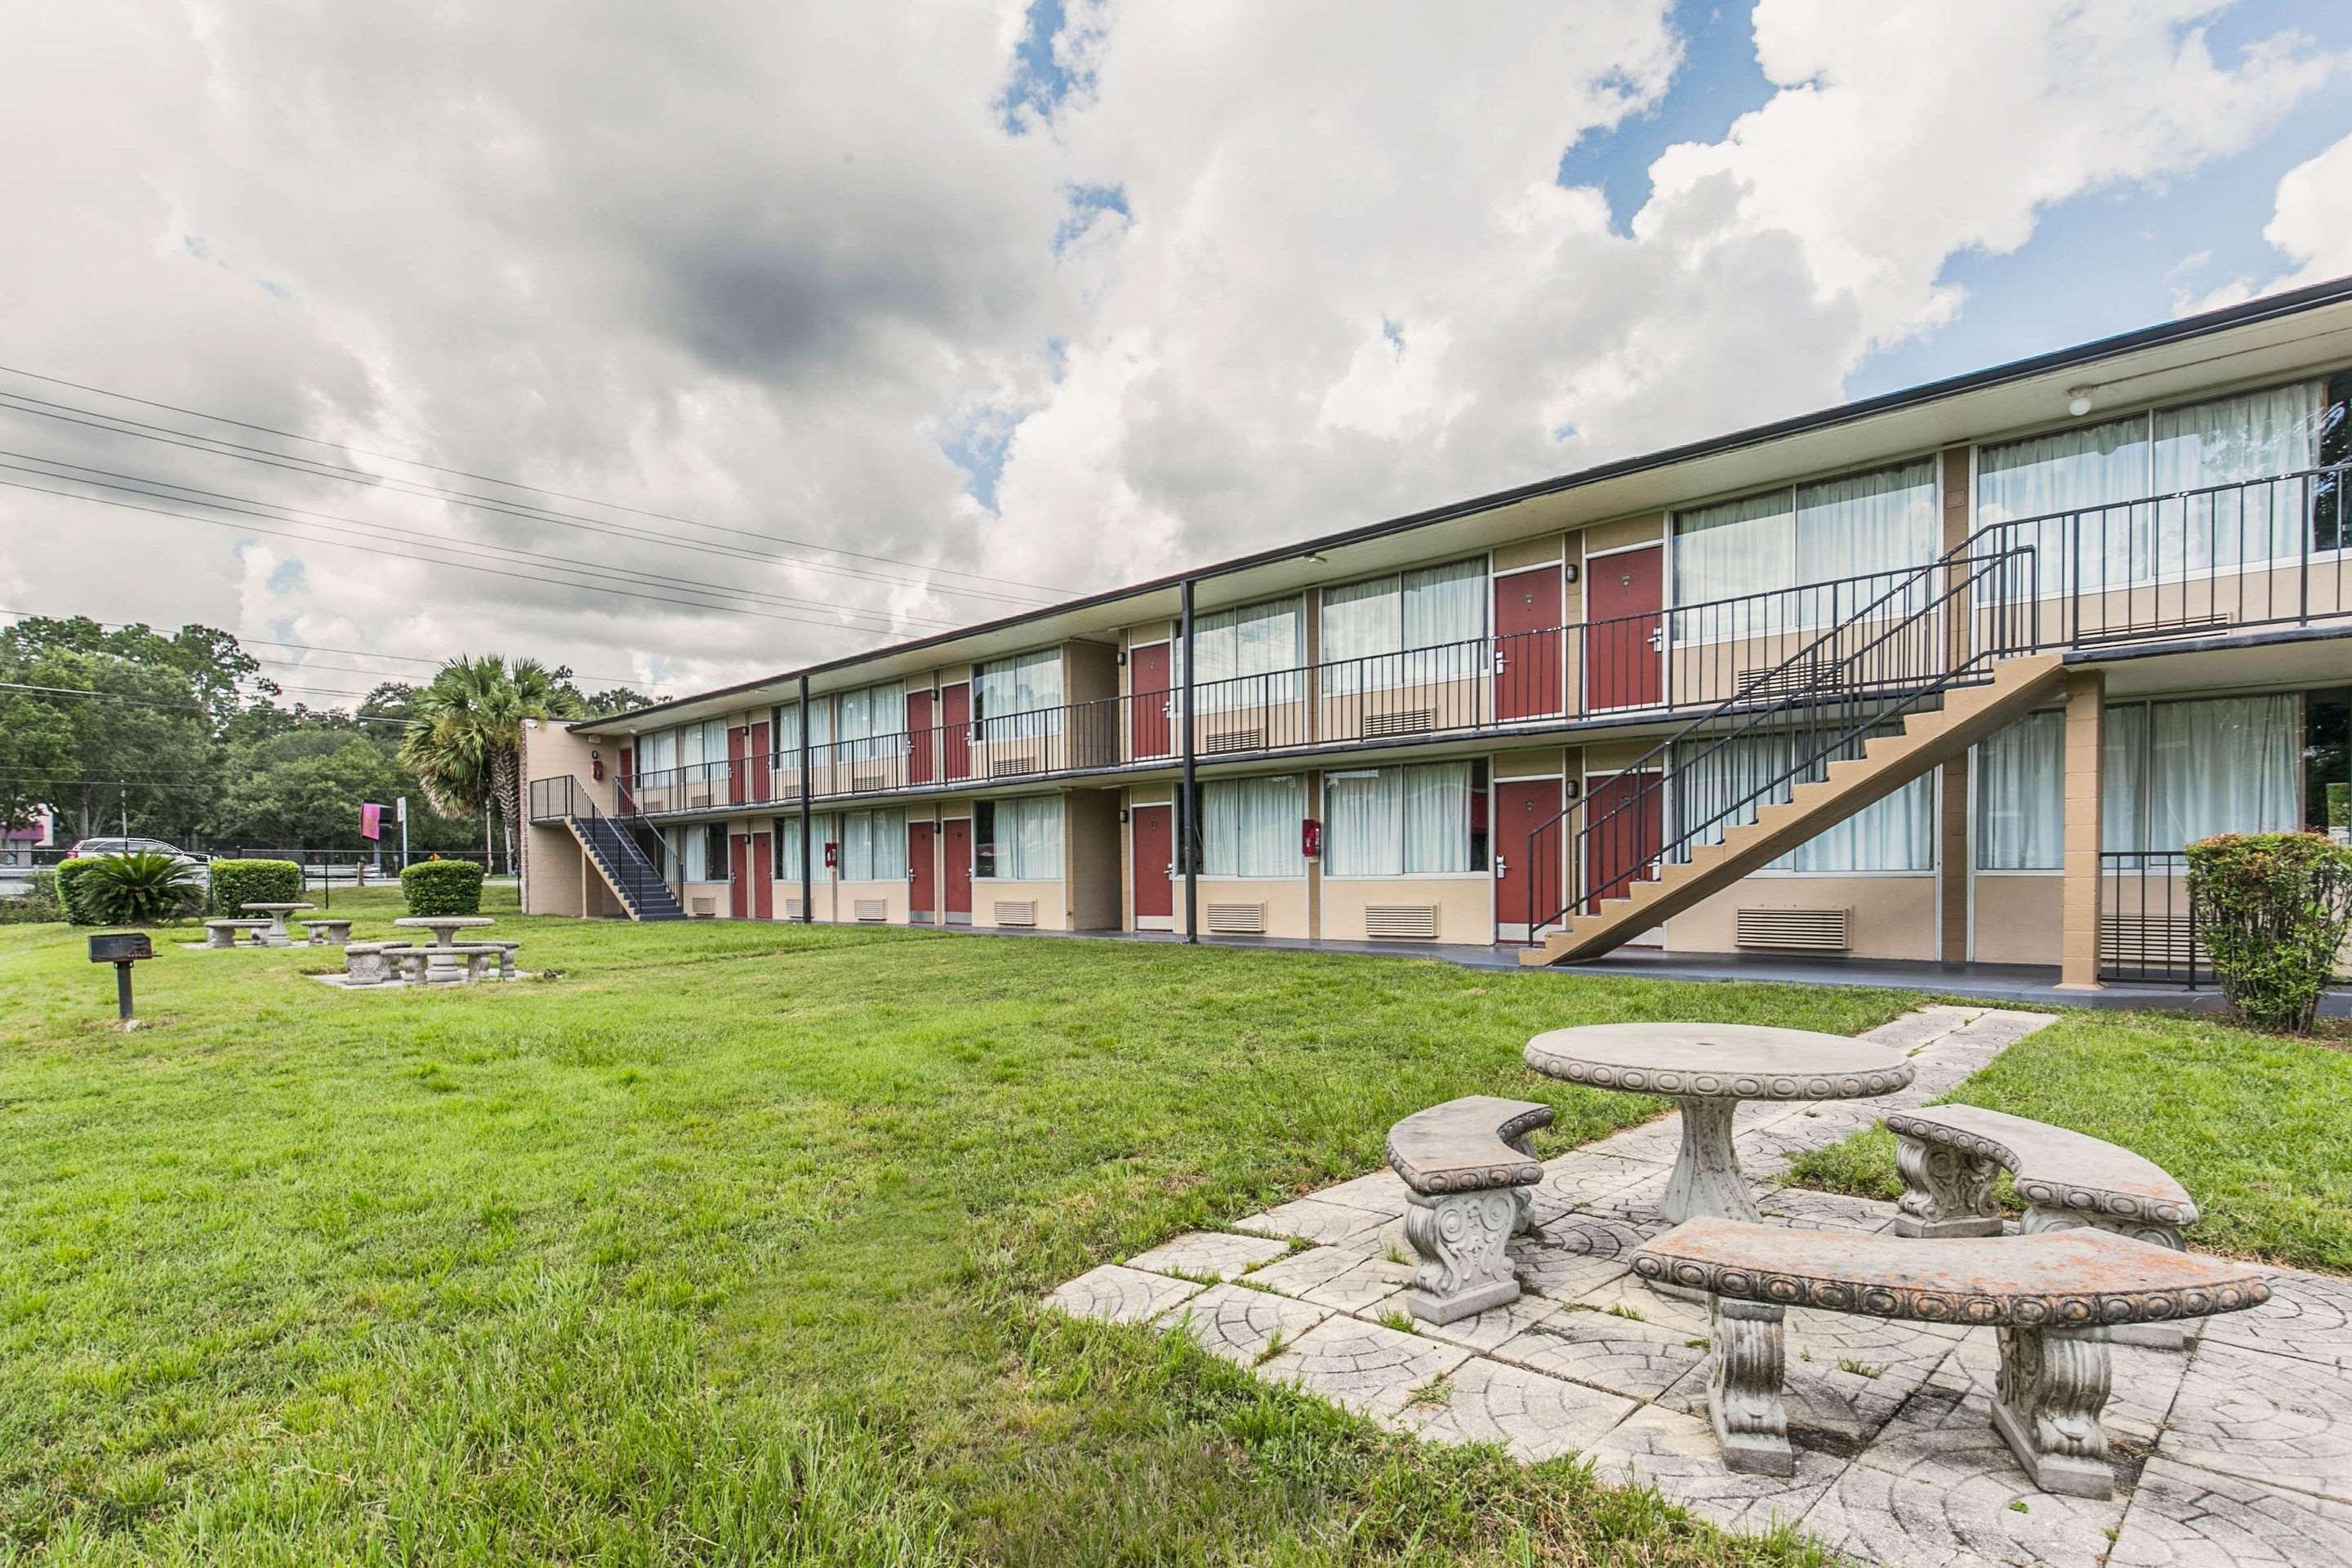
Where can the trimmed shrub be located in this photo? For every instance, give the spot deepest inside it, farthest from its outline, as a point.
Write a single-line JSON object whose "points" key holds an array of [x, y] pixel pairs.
{"points": [[69, 873], [39, 906], [2273, 910], [142, 887], [443, 888], [236, 883]]}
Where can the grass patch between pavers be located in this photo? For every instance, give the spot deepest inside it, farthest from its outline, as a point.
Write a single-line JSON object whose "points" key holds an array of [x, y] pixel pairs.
{"points": [[724, 1247], [2255, 1126]]}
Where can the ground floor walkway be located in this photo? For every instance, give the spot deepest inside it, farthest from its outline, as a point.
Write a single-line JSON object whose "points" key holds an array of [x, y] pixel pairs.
{"points": [[2236, 1452]]}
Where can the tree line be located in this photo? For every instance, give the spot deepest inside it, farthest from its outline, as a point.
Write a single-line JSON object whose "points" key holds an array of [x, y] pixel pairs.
{"points": [[180, 736]]}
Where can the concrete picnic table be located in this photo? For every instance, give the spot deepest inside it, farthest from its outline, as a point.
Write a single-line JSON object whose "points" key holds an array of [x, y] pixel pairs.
{"points": [[444, 928], [1709, 1069], [276, 935]]}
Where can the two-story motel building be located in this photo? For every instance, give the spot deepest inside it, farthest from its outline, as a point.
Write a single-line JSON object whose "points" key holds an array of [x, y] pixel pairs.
{"points": [[1948, 674]]}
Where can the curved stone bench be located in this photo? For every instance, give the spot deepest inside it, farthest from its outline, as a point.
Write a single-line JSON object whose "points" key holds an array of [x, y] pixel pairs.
{"points": [[370, 962], [1466, 1167], [1948, 1155], [2054, 1297], [328, 933], [223, 933]]}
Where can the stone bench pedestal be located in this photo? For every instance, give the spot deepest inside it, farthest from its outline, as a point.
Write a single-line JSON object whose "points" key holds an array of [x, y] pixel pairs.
{"points": [[1466, 1169]]}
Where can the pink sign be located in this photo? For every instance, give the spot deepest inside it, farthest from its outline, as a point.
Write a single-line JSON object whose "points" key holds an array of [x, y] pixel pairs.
{"points": [[371, 819]]}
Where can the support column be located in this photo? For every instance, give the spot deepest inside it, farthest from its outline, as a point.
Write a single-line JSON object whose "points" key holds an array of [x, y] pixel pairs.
{"points": [[1953, 860], [2078, 921], [808, 900], [1188, 831]]}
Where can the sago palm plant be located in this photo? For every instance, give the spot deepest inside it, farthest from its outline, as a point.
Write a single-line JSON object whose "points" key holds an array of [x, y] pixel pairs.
{"points": [[141, 886]]}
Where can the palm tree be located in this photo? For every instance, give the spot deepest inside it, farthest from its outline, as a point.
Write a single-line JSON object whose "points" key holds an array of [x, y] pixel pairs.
{"points": [[464, 738]]}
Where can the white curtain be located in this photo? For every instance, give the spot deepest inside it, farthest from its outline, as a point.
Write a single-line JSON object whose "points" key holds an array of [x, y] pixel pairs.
{"points": [[1739, 547], [787, 850], [2225, 766], [873, 846], [1029, 684], [788, 736], [657, 750], [1266, 640], [1363, 813], [1872, 524], [1250, 827], [1359, 620], [2085, 474], [1896, 834], [2123, 774], [2228, 441], [2020, 786], [694, 857], [1028, 837], [1437, 817], [1445, 607]]}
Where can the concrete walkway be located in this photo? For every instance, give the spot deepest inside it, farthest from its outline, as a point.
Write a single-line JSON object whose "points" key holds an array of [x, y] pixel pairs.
{"points": [[2237, 1453]]}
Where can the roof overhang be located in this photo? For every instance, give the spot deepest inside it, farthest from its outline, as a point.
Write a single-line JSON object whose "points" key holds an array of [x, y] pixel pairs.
{"points": [[2265, 340]]}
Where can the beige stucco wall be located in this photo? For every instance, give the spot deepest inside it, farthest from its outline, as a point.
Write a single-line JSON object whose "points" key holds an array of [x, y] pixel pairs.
{"points": [[1894, 916], [1645, 528], [1052, 904], [1285, 898], [891, 893], [551, 865], [1525, 553], [1466, 905], [1549, 760], [2017, 918], [548, 751], [1093, 851], [715, 892]]}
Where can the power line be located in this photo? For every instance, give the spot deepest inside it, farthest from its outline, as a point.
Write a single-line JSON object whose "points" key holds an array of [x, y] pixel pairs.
{"points": [[375, 532], [149, 701], [455, 565], [510, 484], [118, 426], [310, 647]]}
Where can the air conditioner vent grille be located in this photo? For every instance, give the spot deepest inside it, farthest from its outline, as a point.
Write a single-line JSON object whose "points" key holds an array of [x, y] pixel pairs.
{"points": [[1237, 920], [1017, 913], [1401, 922], [1237, 739], [1810, 930], [1411, 721], [872, 908]]}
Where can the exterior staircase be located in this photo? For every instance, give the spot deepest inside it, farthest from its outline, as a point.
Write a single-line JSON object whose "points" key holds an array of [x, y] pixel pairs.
{"points": [[1945, 655], [1888, 763], [634, 880]]}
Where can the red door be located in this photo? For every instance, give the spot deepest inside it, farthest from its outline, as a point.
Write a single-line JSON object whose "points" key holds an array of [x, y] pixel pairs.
{"points": [[919, 738], [1624, 633], [1529, 668], [739, 876], [955, 730], [959, 859], [763, 766], [922, 886], [761, 865], [739, 742], [1622, 846], [627, 785], [1527, 876], [1147, 722], [1154, 829]]}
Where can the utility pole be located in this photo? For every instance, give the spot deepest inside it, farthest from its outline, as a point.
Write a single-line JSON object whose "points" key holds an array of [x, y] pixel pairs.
{"points": [[403, 832], [808, 908], [1188, 833]]}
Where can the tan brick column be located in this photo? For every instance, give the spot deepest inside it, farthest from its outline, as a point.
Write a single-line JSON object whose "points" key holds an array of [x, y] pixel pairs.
{"points": [[2078, 921], [1952, 861]]}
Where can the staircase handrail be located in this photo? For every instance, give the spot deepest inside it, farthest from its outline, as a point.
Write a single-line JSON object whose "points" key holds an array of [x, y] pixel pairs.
{"points": [[1807, 693]]}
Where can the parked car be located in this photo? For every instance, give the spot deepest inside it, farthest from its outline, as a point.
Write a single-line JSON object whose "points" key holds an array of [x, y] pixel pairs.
{"points": [[200, 864]]}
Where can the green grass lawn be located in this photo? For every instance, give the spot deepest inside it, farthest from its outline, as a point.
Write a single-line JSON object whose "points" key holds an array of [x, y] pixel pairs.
{"points": [[2259, 1129], [724, 1247]]}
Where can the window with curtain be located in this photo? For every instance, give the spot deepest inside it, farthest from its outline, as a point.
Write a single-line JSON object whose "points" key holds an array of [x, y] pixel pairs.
{"points": [[1268, 641], [784, 849], [2095, 490], [715, 859], [703, 748], [2178, 772], [873, 846], [1021, 696], [1408, 625], [1018, 839], [1407, 821], [1872, 524], [684, 854], [1249, 828], [657, 750], [2020, 774], [1894, 834], [872, 721]]}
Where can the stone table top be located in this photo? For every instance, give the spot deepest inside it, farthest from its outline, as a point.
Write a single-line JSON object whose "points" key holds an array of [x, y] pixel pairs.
{"points": [[280, 909], [446, 927], [1719, 1061]]}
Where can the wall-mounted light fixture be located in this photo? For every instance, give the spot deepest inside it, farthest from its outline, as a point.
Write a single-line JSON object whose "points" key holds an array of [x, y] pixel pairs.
{"points": [[1573, 788], [1569, 572], [2078, 400]]}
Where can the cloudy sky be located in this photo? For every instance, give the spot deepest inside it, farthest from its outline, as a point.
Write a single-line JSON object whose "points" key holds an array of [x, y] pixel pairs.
{"points": [[817, 325]]}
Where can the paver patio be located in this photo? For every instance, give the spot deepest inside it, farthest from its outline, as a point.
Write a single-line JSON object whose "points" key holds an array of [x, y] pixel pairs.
{"points": [[2237, 1452]]}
